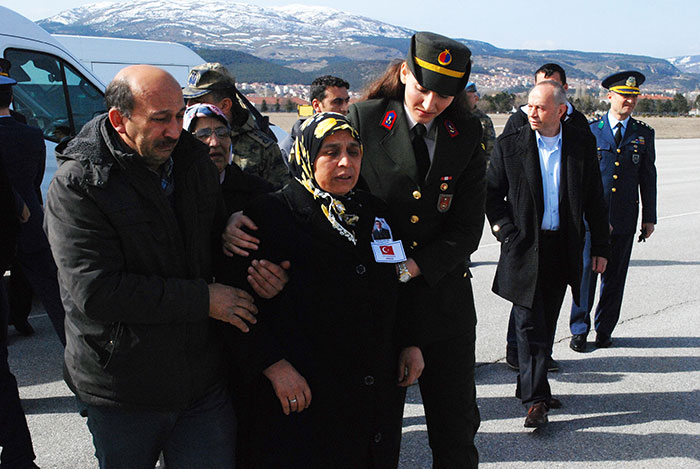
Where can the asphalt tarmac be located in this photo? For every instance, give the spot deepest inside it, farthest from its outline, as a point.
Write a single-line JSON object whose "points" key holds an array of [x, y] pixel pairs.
{"points": [[634, 405]]}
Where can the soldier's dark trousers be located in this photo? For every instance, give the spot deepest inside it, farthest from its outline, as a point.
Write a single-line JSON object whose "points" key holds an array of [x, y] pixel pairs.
{"points": [[612, 287], [16, 443], [449, 398]]}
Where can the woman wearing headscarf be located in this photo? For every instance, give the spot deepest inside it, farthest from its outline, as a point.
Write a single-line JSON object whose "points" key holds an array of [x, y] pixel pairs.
{"points": [[424, 159], [210, 126], [324, 355]]}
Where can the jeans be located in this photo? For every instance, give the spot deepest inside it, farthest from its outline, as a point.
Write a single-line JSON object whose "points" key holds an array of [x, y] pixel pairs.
{"points": [[201, 436]]}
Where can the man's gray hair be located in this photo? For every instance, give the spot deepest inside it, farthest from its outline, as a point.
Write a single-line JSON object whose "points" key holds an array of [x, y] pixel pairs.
{"points": [[559, 94]]}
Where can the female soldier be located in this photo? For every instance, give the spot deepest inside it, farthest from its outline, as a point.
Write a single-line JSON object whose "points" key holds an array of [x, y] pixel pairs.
{"points": [[423, 157], [324, 354]]}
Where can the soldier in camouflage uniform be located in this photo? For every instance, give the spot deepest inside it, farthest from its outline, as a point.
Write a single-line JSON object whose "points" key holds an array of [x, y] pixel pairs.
{"points": [[489, 138], [253, 150]]}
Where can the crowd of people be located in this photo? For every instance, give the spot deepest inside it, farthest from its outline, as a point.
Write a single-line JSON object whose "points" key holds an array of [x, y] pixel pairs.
{"points": [[229, 302]]}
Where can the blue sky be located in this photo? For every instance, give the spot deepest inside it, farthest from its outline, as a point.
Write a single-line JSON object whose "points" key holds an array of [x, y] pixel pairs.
{"points": [[657, 29]]}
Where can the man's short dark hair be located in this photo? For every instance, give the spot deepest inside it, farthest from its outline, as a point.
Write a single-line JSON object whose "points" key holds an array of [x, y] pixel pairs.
{"points": [[5, 96], [119, 96], [319, 85], [550, 69]]}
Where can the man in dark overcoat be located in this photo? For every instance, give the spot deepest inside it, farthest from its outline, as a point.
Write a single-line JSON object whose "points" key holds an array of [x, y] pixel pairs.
{"points": [[542, 182], [626, 158], [554, 72]]}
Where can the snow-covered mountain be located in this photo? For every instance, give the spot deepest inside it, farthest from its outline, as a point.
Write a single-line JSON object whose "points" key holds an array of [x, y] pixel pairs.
{"points": [[687, 63], [321, 39], [289, 33]]}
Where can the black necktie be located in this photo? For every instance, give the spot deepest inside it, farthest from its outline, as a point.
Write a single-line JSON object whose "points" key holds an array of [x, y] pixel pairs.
{"points": [[420, 150], [618, 133]]}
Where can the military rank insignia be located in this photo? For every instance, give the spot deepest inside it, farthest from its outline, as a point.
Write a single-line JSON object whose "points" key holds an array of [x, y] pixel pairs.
{"points": [[451, 129], [444, 202], [389, 119]]}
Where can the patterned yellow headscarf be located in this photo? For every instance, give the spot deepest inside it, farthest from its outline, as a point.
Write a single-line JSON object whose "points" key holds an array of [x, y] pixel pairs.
{"points": [[301, 159]]}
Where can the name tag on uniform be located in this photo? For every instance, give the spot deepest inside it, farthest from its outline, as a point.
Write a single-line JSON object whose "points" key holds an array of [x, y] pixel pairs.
{"points": [[384, 248]]}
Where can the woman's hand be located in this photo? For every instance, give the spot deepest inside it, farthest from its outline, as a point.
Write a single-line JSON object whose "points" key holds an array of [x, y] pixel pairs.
{"points": [[411, 366], [290, 387], [235, 240], [413, 268], [267, 278]]}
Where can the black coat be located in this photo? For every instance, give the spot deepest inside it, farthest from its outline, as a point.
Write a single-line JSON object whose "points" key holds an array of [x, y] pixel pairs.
{"points": [[133, 269], [335, 323], [239, 188], [519, 119], [439, 220], [23, 151], [8, 220], [515, 204]]}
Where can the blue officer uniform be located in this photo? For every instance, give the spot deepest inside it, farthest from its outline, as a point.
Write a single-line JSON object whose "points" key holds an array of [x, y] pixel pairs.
{"points": [[629, 177]]}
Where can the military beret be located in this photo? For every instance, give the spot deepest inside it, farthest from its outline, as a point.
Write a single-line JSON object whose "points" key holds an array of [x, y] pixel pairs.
{"points": [[627, 82], [439, 63], [206, 78]]}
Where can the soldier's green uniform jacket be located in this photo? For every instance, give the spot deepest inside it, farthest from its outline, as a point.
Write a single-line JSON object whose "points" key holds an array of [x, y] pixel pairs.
{"points": [[256, 153], [439, 220], [489, 138]]}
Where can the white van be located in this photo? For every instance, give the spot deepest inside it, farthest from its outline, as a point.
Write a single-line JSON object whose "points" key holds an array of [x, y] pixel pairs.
{"points": [[54, 91], [105, 56]]}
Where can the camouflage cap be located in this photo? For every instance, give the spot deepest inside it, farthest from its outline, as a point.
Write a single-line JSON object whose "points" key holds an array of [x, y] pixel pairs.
{"points": [[206, 78], [439, 63]]}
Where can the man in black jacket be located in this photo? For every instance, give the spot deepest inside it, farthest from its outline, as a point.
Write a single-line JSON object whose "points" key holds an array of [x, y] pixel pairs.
{"points": [[542, 182], [554, 72], [134, 215]]}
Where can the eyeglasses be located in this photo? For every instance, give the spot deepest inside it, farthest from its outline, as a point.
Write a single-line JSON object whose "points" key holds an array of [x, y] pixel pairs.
{"points": [[205, 133]]}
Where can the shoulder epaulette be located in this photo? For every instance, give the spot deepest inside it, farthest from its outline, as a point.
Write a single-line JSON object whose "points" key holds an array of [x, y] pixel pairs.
{"points": [[261, 137], [644, 124]]}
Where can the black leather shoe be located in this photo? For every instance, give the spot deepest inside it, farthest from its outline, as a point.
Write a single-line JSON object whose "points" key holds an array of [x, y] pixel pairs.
{"points": [[554, 403], [24, 328], [603, 341], [578, 343], [512, 359], [552, 365], [536, 416]]}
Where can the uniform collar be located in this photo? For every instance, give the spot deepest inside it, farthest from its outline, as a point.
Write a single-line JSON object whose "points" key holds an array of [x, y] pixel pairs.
{"points": [[613, 121], [412, 123]]}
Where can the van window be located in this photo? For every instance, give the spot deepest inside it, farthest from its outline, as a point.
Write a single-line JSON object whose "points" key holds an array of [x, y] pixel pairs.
{"points": [[52, 94]]}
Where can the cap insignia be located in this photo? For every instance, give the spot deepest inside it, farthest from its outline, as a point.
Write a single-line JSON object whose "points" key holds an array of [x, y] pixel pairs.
{"points": [[445, 57], [631, 81], [193, 78]]}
